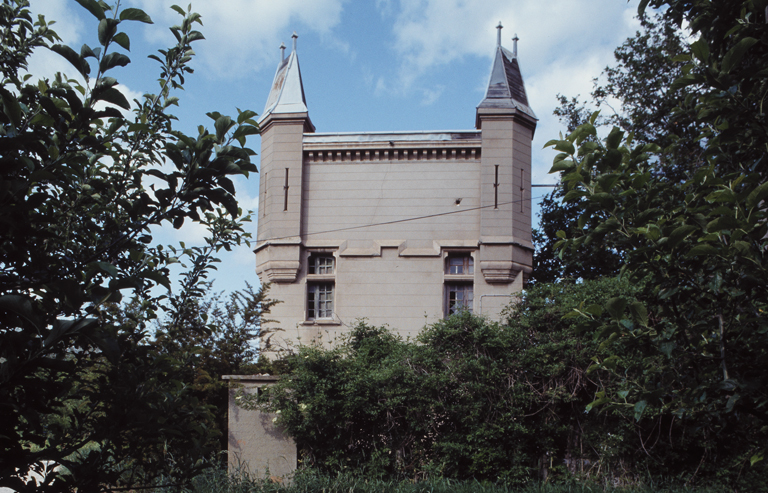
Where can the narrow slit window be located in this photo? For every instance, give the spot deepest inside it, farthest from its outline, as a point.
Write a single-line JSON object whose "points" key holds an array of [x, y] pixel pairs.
{"points": [[496, 189], [285, 188]]}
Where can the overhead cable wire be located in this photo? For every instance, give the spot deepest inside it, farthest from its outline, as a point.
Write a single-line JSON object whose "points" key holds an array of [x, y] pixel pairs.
{"points": [[396, 221]]}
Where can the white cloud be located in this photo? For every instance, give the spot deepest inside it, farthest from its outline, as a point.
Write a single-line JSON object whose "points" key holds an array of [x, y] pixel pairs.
{"points": [[431, 33], [244, 35], [68, 25]]}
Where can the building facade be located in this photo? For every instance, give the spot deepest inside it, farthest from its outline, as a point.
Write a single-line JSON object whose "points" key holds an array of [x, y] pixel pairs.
{"points": [[400, 228]]}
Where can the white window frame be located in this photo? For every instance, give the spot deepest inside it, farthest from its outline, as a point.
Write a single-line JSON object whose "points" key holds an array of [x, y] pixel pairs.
{"points": [[320, 297], [459, 296]]}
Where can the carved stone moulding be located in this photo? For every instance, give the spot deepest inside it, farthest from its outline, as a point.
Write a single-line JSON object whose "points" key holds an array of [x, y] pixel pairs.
{"points": [[280, 271], [501, 272]]}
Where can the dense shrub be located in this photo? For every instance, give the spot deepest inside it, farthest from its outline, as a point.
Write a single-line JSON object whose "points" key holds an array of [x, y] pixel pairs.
{"points": [[510, 403]]}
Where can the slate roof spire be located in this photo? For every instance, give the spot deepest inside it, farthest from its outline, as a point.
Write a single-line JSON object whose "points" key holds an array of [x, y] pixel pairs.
{"points": [[287, 93], [505, 87]]}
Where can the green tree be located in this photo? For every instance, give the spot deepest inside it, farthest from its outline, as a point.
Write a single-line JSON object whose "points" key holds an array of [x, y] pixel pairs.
{"points": [[81, 387], [641, 83], [699, 243], [210, 337]]}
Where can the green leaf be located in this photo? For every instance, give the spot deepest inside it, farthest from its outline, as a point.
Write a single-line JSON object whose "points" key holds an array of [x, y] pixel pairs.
{"points": [[679, 234], [686, 80], [640, 312], [105, 83], [93, 7], [133, 14], [607, 181], [639, 409], [735, 54], [700, 50], [595, 310], [87, 51], [614, 138], [757, 195], [60, 328], [721, 223], [72, 57], [123, 40], [244, 115], [107, 268], [114, 96], [667, 348], [562, 165], [107, 29], [222, 125], [11, 107], [22, 307], [565, 146], [243, 131], [600, 399], [702, 249], [113, 60], [615, 307], [755, 459]]}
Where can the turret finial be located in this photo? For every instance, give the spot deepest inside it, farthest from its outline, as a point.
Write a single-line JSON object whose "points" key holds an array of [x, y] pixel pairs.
{"points": [[282, 51], [498, 34], [514, 45], [295, 37]]}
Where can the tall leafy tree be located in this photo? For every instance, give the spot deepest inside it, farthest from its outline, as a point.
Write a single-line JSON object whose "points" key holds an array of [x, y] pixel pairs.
{"points": [[85, 400], [636, 95], [211, 337], [699, 243]]}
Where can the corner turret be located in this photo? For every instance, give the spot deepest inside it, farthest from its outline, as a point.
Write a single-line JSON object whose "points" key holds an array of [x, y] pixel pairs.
{"points": [[506, 90], [287, 94], [507, 124]]}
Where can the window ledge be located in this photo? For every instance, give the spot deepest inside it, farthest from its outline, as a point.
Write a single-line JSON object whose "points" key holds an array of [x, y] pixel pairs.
{"points": [[459, 277], [323, 321], [321, 277]]}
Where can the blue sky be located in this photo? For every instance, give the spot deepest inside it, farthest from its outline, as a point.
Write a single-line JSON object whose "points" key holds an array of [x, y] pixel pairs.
{"points": [[367, 65]]}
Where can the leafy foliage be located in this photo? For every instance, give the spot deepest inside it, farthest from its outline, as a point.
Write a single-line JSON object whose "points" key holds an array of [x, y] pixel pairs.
{"points": [[541, 397], [211, 337], [81, 388], [470, 399], [640, 86], [698, 242]]}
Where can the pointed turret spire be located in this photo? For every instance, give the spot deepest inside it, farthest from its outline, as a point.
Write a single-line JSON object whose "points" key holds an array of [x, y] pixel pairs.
{"points": [[505, 87], [287, 93]]}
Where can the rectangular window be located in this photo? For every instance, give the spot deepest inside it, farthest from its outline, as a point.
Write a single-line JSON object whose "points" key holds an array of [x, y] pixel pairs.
{"points": [[458, 297], [321, 264], [319, 300], [459, 265]]}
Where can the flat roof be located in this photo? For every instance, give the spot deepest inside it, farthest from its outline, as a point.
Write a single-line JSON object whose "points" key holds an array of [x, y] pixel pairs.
{"points": [[400, 136]]}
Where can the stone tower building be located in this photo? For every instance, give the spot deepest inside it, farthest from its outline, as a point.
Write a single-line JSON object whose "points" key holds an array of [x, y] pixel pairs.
{"points": [[401, 228]]}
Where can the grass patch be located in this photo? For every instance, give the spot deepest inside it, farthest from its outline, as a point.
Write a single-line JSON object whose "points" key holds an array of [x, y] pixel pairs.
{"points": [[218, 481]]}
